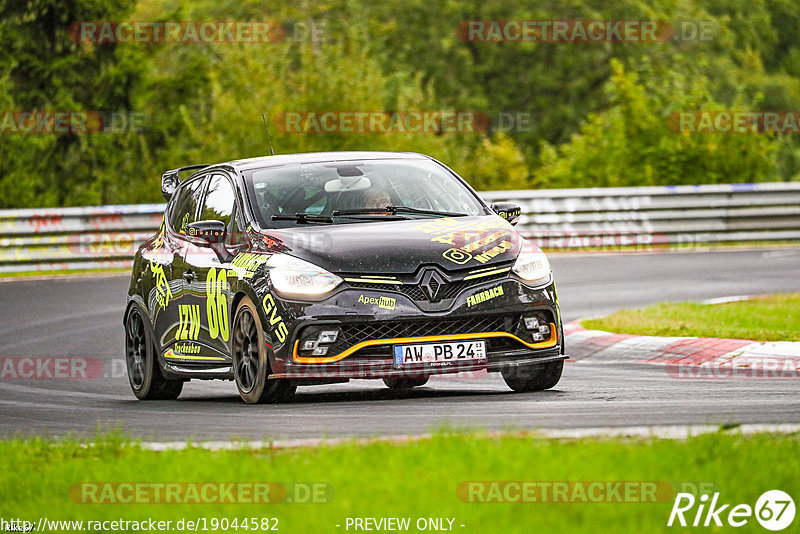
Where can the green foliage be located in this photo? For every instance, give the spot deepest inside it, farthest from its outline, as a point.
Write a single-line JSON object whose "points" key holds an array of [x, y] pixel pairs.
{"points": [[630, 143], [498, 161], [598, 111]]}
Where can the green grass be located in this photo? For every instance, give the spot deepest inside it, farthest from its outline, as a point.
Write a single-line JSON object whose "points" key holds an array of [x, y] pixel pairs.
{"points": [[772, 318], [413, 479]]}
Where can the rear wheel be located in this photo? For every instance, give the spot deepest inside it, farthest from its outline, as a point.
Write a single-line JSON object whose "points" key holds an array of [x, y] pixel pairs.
{"points": [[405, 383], [251, 367], [145, 377], [533, 377]]}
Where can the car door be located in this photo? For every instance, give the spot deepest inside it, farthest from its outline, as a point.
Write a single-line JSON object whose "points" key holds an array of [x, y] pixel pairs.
{"points": [[209, 293], [174, 325]]}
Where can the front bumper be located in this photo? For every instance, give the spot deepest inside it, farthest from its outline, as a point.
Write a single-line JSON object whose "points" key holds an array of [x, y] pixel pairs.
{"points": [[370, 322]]}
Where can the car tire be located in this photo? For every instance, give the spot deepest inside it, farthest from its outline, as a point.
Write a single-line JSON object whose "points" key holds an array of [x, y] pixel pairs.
{"points": [[538, 377], [251, 352], [144, 375], [405, 383]]}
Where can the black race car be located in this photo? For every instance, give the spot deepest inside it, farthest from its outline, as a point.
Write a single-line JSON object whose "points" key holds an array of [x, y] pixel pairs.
{"points": [[317, 268]]}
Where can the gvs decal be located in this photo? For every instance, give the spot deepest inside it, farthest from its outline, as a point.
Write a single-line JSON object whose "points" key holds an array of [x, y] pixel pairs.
{"points": [[217, 303], [275, 321]]}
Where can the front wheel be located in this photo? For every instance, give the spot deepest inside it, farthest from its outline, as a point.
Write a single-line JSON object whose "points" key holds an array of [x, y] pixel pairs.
{"points": [[251, 367], [145, 377], [405, 383], [535, 377]]}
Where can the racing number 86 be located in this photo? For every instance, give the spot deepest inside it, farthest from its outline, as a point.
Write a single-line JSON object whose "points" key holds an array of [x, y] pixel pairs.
{"points": [[217, 303]]}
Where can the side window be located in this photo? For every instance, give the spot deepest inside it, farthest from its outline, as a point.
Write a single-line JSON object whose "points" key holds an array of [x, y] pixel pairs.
{"points": [[219, 202], [184, 206]]}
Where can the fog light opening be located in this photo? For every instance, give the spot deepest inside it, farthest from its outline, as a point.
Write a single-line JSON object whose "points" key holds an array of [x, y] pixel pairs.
{"points": [[318, 345]]}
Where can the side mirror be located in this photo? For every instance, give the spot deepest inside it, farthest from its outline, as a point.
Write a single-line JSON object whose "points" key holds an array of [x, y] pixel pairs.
{"points": [[170, 181], [510, 211], [211, 232]]}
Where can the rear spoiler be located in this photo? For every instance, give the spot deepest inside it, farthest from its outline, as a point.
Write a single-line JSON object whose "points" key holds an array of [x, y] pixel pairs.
{"points": [[170, 180]]}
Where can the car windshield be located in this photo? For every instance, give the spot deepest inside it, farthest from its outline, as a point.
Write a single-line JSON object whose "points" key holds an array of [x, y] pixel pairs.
{"points": [[343, 192]]}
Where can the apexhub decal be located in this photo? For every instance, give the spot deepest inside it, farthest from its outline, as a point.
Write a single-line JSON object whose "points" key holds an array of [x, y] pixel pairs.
{"points": [[483, 296], [387, 303]]}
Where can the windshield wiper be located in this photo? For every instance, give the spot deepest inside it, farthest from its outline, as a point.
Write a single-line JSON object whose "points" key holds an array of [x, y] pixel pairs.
{"points": [[371, 216], [395, 209], [303, 218]]}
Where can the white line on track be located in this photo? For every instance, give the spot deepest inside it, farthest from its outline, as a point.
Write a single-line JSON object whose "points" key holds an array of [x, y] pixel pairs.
{"points": [[661, 432]]}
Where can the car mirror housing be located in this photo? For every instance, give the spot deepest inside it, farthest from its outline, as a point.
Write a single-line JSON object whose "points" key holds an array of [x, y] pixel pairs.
{"points": [[170, 180], [209, 231], [169, 183], [510, 211]]}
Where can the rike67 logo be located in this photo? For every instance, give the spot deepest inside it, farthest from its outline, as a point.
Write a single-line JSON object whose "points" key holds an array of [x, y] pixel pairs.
{"points": [[774, 510]]}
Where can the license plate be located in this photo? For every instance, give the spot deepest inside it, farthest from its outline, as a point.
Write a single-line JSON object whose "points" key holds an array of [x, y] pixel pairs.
{"points": [[439, 353]]}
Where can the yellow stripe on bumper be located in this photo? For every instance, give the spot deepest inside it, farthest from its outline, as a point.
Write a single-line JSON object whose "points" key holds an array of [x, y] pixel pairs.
{"points": [[425, 339]]}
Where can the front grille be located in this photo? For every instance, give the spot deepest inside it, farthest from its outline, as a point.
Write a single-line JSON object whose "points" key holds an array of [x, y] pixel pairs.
{"points": [[355, 333], [415, 292]]}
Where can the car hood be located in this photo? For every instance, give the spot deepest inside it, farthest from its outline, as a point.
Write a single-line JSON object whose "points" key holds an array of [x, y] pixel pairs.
{"points": [[452, 243]]}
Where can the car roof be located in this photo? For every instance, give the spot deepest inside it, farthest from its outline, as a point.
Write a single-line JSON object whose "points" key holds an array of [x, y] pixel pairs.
{"points": [[318, 157]]}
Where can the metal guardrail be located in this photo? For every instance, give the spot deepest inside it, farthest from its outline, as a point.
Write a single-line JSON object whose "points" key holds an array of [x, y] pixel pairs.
{"points": [[75, 238], [658, 215], [605, 218]]}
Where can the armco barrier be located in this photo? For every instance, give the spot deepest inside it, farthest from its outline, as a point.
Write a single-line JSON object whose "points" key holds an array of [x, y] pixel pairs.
{"points": [[107, 236], [74, 238]]}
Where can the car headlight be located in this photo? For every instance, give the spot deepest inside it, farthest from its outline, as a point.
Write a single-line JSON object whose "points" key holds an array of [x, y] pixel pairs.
{"points": [[293, 276], [532, 266]]}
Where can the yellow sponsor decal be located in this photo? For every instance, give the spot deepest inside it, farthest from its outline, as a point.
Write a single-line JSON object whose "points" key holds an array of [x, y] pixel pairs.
{"points": [[249, 262], [277, 326], [368, 280], [184, 224], [163, 292], [480, 243], [187, 348], [486, 272], [188, 322], [457, 256], [170, 355], [467, 238], [483, 296], [504, 246], [451, 225]]}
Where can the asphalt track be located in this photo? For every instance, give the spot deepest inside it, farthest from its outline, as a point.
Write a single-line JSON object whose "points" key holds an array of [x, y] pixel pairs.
{"points": [[82, 317]]}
